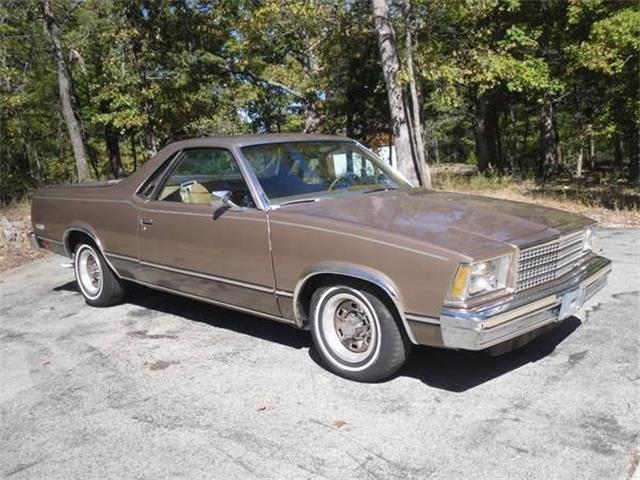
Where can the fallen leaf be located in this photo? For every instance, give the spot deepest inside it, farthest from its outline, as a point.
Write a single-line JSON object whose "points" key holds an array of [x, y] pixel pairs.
{"points": [[339, 423]]}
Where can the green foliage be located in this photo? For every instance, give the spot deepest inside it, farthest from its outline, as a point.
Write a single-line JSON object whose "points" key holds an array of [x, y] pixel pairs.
{"points": [[146, 73]]}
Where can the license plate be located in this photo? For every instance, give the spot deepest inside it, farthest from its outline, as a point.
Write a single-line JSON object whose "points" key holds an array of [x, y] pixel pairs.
{"points": [[571, 303]]}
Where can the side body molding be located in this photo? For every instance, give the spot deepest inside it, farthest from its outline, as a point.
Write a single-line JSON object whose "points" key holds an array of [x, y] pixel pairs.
{"points": [[87, 230], [359, 272]]}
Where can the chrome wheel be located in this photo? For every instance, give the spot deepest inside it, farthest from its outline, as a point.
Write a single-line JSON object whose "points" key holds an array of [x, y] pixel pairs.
{"points": [[352, 326], [349, 326], [88, 271]]}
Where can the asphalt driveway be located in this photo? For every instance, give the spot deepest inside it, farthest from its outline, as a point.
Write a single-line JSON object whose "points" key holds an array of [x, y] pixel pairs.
{"points": [[163, 387]]}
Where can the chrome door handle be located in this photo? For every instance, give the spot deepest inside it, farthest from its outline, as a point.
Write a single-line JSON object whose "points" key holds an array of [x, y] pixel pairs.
{"points": [[146, 222]]}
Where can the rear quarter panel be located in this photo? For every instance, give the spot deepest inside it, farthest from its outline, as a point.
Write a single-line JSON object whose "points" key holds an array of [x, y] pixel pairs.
{"points": [[107, 211]]}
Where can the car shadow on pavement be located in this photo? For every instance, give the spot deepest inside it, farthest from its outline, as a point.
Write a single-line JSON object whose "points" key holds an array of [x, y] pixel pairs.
{"points": [[154, 300], [457, 371], [451, 370]]}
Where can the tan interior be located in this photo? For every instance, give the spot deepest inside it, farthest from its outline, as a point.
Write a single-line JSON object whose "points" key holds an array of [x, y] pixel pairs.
{"points": [[167, 191], [195, 192]]}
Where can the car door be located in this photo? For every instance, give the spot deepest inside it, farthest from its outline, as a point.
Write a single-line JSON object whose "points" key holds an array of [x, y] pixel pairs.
{"points": [[191, 243]]}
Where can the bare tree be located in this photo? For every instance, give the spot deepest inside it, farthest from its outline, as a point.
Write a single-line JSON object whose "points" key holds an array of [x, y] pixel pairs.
{"points": [[64, 84], [390, 68]]}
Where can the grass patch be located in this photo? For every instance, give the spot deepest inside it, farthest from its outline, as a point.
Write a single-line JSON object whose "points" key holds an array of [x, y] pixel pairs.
{"points": [[612, 205]]}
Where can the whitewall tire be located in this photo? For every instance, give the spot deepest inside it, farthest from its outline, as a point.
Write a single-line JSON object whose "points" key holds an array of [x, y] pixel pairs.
{"points": [[356, 334], [97, 283]]}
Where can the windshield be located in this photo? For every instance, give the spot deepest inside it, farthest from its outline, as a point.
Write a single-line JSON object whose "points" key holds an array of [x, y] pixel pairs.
{"points": [[306, 170]]}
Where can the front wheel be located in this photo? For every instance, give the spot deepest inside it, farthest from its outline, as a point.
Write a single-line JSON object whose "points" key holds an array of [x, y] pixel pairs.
{"points": [[356, 334], [98, 284]]}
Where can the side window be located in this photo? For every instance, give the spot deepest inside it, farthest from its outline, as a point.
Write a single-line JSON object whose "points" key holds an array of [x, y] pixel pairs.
{"points": [[199, 172], [149, 187]]}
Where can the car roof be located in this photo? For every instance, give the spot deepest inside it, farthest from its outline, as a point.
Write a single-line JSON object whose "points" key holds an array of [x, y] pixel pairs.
{"points": [[256, 139]]}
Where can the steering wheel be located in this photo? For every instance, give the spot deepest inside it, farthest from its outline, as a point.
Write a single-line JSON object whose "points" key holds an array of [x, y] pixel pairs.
{"points": [[347, 179]]}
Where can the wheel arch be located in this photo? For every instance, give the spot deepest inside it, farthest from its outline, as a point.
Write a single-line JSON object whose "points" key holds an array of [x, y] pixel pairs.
{"points": [[75, 233], [322, 272]]}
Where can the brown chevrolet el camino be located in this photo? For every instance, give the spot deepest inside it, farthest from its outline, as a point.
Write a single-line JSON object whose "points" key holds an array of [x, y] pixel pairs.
{"points": [[318, 232]]}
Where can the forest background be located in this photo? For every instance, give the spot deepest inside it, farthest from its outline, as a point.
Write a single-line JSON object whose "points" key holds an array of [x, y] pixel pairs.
{"points": [[542, 93]]}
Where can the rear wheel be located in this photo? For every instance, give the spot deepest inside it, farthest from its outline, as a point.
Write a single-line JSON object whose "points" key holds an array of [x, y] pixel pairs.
{"points": [[98, 284], [356, 334]]}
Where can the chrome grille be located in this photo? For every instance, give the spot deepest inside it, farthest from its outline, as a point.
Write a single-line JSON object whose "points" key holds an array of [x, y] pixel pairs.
{"points": [[543, 263]]}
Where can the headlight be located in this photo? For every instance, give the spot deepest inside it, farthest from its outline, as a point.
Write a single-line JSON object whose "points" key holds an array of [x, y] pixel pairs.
{"points": [[477, 278], [589, 239]]}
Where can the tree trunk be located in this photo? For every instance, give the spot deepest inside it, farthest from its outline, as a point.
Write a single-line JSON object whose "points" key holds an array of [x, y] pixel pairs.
{"points": [[485, 133], [418, 141], [579, 163], [113, 151], [132, 141], [548, 152], [525, 141], [634, 156], [548, 149], [312, 119], [498, 140], [93, 160], [618, 154], [64, 85], [592, 151], [558, 142], [150, 141], [390, 69]]}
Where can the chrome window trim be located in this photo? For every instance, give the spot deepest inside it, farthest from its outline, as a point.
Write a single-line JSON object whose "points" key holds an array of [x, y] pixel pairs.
{"points": [[174, 156], [258, 194], [166, 166], [254, 183], [377, 157], [171, 151]]}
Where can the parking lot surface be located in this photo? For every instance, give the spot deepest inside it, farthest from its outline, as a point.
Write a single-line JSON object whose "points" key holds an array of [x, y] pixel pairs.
{"points": [[164, 387]]}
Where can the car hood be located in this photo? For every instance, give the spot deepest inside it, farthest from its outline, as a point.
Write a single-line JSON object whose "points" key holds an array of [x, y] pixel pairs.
{"points": [[455, 221]]}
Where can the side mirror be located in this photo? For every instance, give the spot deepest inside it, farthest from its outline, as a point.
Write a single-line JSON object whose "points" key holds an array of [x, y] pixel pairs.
{"points": [[224, 196]]}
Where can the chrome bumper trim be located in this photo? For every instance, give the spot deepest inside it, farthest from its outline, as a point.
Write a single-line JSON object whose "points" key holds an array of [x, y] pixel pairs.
{"points": [[422, 319], [488, 325]]}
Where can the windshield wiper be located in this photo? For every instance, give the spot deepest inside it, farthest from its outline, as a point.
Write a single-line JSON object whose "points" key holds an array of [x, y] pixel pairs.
{"points": [[300, 200], [381, 189]]}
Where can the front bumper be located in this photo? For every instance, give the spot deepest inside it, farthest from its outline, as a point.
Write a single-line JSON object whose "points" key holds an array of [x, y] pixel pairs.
{"points": [[487, 325]]}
